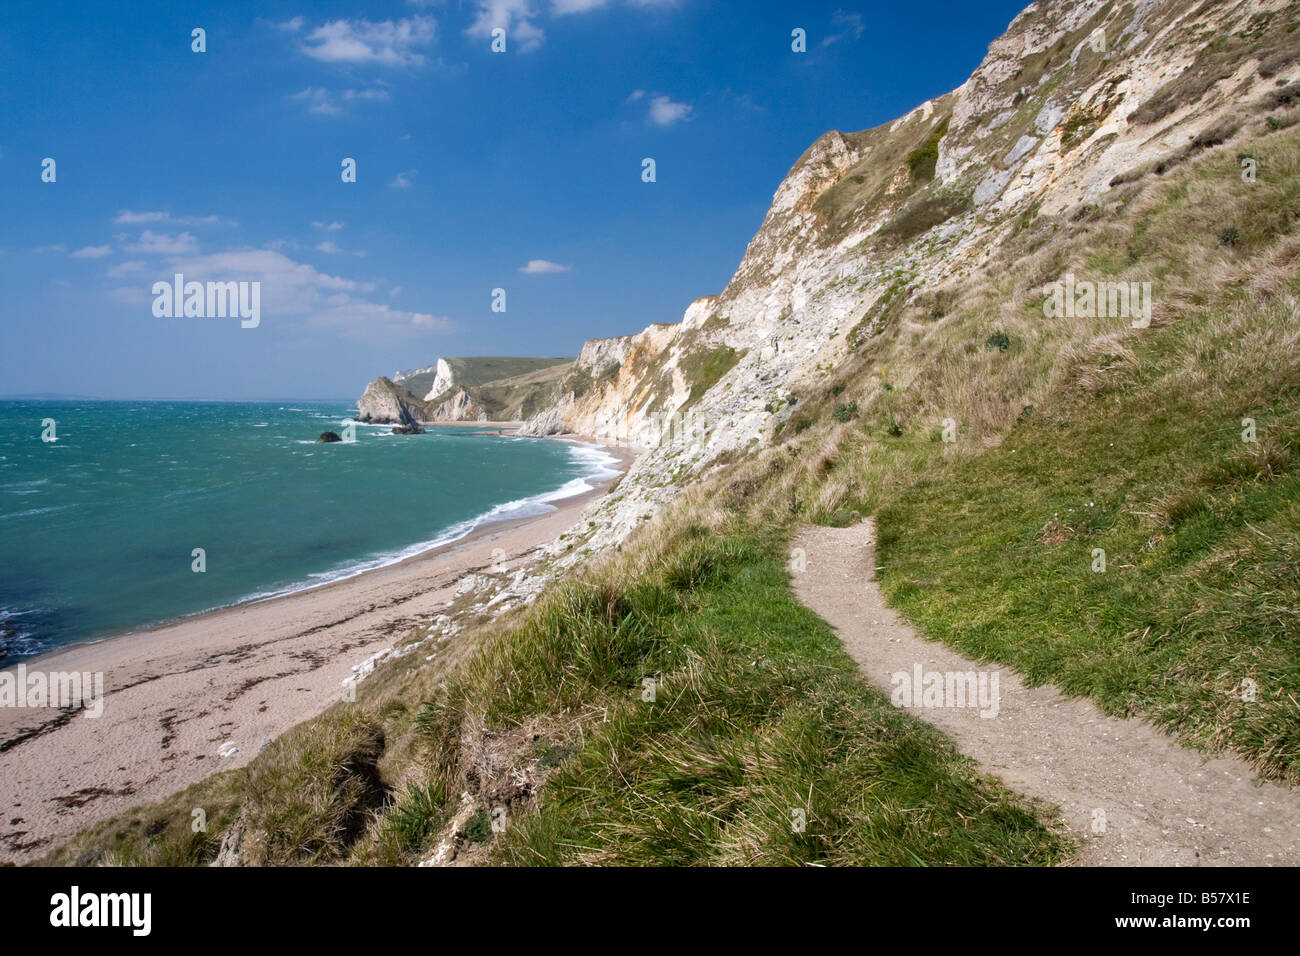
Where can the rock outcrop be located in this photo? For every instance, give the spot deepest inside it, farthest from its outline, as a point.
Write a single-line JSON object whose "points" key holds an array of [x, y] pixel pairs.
{"points": [[460, 407], [386, 403], [599, 362]]}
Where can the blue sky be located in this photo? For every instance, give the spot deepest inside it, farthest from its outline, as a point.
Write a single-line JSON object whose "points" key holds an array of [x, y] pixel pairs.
{"points": [[470, 166]]}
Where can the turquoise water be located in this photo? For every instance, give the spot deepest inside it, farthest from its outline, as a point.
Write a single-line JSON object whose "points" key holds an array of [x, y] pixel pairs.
{"points": [[98, 528]]}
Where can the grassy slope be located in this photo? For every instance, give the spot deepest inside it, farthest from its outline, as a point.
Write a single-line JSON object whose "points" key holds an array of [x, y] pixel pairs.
{"points": [[481, 370], [1086, 435], [521, 397], [1202, 583], [758, 712]]}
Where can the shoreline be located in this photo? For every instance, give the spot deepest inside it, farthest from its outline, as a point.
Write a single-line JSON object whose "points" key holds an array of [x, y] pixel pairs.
{"points": [[175, 694], [624, 454]]}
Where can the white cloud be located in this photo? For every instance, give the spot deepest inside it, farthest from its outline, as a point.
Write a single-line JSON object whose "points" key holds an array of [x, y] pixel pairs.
{"points": [[328, 226], [635, 95], [528, 36], [92, 252], [665, 112], [129, 268], [318, 100], [365, 318], [161, 244], [126, 215], [327, 103], [264, 265], [852, 25], [559, 7], [56, 247], [404, 179], [433, 322], [387, 42], [373, 94], [291, 26], [135, 217], [542, 267], [296, 290], [515, 16], [333, 249]]}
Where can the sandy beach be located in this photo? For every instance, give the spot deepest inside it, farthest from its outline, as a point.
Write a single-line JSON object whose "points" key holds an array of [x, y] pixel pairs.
{"points": [[177, 696]]}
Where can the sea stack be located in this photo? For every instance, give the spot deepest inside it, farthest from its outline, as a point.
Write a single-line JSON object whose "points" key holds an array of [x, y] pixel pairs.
{"points": [[384, 402]]}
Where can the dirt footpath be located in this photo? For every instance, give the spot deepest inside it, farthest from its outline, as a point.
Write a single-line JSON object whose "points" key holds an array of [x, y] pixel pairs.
{"points": [[1130, 794]]}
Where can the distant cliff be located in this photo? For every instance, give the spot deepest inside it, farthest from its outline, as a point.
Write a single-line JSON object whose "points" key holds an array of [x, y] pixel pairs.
{"points": [[479, 388]]}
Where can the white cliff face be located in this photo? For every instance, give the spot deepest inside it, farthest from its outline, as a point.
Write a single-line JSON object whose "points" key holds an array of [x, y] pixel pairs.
{"points": [[599, 354], [443, 380], [460, 407], [1105, 60], [1045, 122]]}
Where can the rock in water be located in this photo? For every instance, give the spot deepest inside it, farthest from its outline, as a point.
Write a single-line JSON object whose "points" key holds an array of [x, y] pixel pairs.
{"points": [[388, 403], [328, 437], [408, 430]]}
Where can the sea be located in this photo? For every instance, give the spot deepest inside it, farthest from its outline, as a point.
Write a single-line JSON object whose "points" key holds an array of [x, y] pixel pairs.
{"points": [[120, 515]]}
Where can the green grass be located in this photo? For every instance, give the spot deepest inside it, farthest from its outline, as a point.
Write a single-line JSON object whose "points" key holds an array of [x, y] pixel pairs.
{"points": [[409, 824], [485, 369], [922, 215], [869, 187], [1079, 126], [922, 160], [757, 713], [846, 412], [704, 368], [1202, 582]]}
